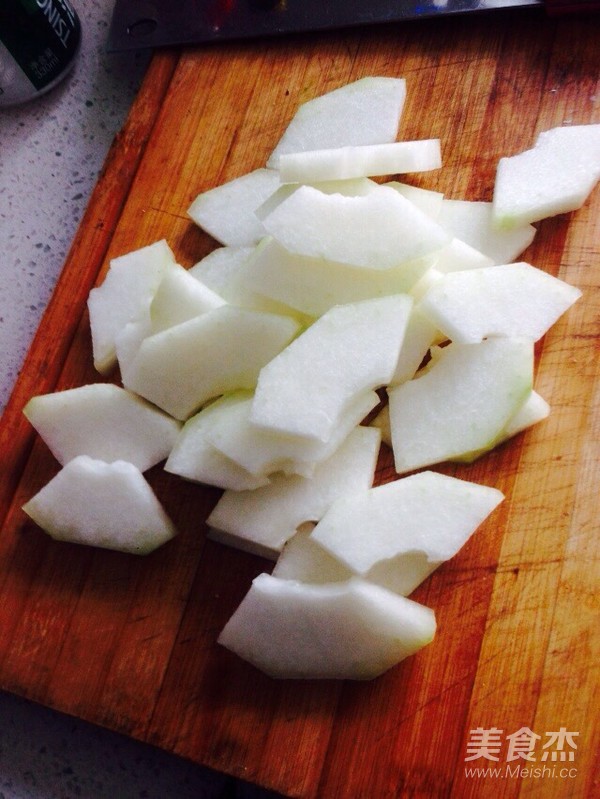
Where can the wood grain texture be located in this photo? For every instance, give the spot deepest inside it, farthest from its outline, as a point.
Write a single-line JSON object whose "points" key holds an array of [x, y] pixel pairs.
{"points": [[130, 643]]}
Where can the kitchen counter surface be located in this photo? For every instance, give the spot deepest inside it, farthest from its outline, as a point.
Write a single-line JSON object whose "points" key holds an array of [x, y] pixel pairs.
{"points": [[51, 152]]}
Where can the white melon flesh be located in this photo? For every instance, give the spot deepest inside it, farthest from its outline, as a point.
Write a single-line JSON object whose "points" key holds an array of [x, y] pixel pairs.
{"points": [[419, 335], [368, 160], [462, 403], [535, 409], [353, 187], [128, 342], [227, 211], [224, 271], [304, 559], [406, 527], [430, 202], [180, 297], [350, 350], [124, 296], [381, 422], [262, 452], [108, 505], [351, 630], [473, 222], [105, 422], [422, 286], [314, 285], [458, 256], [194, 458], [554, 177], [510, 300], [217, 269], [366, 111], [261, 521], [181, 368], [379, 230]]}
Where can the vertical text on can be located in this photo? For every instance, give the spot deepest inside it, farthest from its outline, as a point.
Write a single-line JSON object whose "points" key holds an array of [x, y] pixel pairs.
{"points": [[39, 42]]}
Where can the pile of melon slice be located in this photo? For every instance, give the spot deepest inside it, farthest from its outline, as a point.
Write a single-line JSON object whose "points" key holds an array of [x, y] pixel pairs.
{"points": [[255, 370]]}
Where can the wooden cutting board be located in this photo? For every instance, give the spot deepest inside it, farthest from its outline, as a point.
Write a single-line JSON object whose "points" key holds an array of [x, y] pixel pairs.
{"points": [[129, 643]]}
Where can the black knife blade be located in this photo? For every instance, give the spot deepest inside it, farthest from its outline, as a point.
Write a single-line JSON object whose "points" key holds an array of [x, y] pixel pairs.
{"points": [[137, 24]]}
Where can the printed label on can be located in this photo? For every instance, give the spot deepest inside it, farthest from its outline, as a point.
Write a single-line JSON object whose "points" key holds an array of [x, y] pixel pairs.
{"points": [[38, 42]]}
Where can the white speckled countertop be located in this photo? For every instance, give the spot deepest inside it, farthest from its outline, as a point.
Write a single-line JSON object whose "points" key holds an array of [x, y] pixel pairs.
{"points": [[51, 151]]}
